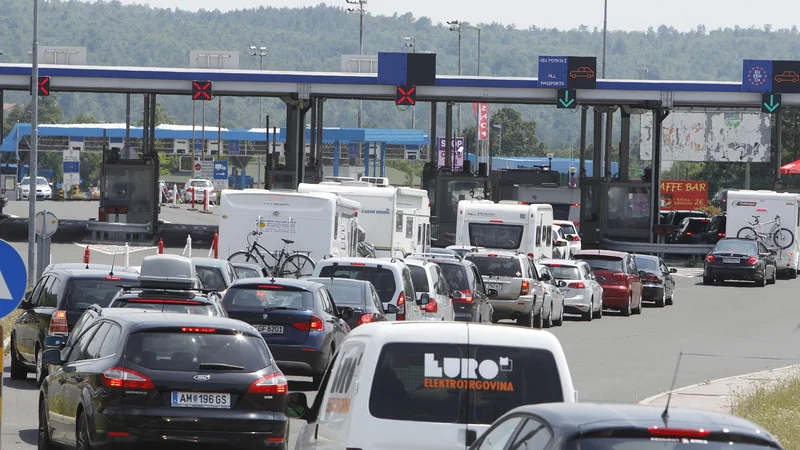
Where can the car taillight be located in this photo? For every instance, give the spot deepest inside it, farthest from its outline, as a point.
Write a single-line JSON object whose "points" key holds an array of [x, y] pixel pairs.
{"points": [[366, 318], [58, 323], [711, 259], [530, 255], [432, 306], [118, 377], [401, 306], [466, 296], [576, 238], [274, 383], [525, 288], [678, 432], [110, 278], [619, 276], [688, 233], [578, 285], [315, 324], [652, 277], [752, 260], [198, 330], [721, 234]]}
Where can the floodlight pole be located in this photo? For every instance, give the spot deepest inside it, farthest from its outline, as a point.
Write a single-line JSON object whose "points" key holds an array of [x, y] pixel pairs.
{"points": [[34, 169]]}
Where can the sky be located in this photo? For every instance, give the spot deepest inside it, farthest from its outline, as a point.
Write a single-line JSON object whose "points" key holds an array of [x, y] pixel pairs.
{"points": [[627, 15]]}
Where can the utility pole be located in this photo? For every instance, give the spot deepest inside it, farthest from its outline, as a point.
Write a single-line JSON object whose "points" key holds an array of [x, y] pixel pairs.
{"points": [[605, 31], [361, 10], [261, 52], [34, 169], [411, 42]]}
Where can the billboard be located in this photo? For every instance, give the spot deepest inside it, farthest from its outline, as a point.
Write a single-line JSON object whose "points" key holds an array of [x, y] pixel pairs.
{"points": [[710, 136], [683, 194], [457, 148]]}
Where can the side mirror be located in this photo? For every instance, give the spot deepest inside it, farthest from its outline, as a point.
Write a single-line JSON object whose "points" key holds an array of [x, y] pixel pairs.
{"points": [[642, 274], [600, 279], [26, 304], [52, 356], [391, 309], [492, 293], [424, 299], [561, 283], [773, 252], [57, 342], [346, 312], [562, 243], [296, 405], [545, 277], [28, 295], [673, 270], [455, 293]]}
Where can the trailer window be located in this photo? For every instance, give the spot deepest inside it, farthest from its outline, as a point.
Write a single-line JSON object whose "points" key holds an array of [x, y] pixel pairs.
{"points": [[410, 227], [549, 235], [493, 235], [538, 235], [419, 234], [336, 226], [399, 223]]}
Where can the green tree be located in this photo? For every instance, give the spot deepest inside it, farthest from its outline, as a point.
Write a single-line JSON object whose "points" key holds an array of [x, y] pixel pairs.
{"points": [[162, 117], [518, 136], [83, 118]]}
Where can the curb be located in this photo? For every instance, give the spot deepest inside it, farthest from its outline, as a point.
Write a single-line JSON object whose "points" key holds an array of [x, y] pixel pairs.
{"points": [[653, 398]]}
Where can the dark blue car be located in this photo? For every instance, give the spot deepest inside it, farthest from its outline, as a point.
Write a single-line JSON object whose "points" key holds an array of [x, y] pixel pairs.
{"points": [[298, 319]]}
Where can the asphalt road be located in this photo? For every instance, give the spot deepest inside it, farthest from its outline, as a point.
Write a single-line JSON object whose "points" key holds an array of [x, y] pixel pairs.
{"points": [[614, 359]]}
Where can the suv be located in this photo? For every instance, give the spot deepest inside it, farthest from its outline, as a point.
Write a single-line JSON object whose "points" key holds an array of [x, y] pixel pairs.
{"points": [[216, 274], [53, 307], [715, 230], [622, 286], [391, 278], [432, 290], [520, 294], [690, 230], [214, 376]]}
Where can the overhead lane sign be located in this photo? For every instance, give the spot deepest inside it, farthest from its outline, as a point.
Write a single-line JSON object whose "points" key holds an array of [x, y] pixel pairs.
{"points": [[568, 72]]}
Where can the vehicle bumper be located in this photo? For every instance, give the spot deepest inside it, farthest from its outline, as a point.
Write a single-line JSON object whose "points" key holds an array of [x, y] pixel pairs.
{"points": [[299, 359], [734, 273], [615, 296], [231, 439], [653, 292], [511, 309], [577, 304]]}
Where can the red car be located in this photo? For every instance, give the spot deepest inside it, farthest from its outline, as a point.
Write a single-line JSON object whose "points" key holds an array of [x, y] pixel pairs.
{"points": [[620, 278]]}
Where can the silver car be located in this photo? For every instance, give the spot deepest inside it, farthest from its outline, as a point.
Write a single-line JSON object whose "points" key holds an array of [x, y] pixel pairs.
{"points": [[519, 292], [582, 291], [553, 308]]}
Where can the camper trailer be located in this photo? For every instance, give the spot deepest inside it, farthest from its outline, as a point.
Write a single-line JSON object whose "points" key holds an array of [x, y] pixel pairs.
{"points": [[506, 226], [396, 220], [320, 223]]}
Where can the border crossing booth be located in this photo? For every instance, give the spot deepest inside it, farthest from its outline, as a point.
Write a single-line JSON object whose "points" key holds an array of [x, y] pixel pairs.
{"points": [[617, 210], [128, 190]]}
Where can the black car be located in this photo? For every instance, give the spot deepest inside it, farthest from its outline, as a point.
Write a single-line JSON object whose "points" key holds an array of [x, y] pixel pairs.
{"points": [[298, 319], [359, 295], [588, 426], [153, 377], [740, 259], [53, 307], [658, 285], [690, 230], [674, 219], [715, 230]]}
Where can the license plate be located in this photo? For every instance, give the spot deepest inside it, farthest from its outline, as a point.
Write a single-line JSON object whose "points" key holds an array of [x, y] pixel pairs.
{"points": [[201, 400], [270, 329], [730, 260], [496, 287]]}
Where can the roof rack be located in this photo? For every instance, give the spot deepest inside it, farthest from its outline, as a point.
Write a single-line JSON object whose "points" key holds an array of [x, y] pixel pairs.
{"points": [[436, 255]]}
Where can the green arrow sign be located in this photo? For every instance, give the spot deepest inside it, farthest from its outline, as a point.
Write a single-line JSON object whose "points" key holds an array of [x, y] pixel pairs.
{"points": [[566, 98], [770, 102]]}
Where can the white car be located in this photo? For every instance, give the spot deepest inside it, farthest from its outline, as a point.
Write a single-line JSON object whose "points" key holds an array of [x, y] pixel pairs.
{"points": [[582, 291], [561, 249], [44, 191], [433, 294], [571, 235], [553, 295], [199, 187]]}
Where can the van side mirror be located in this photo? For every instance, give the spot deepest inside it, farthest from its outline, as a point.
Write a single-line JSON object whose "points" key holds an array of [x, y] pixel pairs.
{"points": [[391, 309], [545, 277], [455, 293], [57, 342], [424, 299], [600, 279], [642, 274], [296, 405], [52, 357], [673, 270], [561, 283], [346, 312]]}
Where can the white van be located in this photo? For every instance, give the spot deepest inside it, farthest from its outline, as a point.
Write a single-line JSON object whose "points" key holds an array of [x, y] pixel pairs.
{"points": [[322, 223], [506, 226], [429, 385], [395, 219], [753, 213]]}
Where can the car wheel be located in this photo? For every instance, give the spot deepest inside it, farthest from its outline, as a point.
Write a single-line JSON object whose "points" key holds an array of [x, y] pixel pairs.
{"points": [[549, 322], [82, 441], [599, 313], [774, 278], [708, 281], [660, 303], [638, 310], [671, 298], [44, 430], [18, 369], [763, 281], [41, 369], [526, 320], [588, 316], [626, 311], [560, 320]]}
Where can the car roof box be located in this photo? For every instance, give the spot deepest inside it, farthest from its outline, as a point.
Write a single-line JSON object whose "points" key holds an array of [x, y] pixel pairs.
{"points": [[167, 272]]}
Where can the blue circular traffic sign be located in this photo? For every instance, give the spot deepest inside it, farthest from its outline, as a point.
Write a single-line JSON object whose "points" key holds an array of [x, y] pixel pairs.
{"points": [[13, 278], [58, 185]]}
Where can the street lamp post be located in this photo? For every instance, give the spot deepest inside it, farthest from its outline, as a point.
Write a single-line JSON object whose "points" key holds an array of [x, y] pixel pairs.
{"points": [[459, 26], [605, 30], [411, 42], [550, 161], [360, 10], [261, 52]]}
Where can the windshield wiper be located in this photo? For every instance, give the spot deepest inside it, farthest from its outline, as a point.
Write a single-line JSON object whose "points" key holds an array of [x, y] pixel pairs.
{"points": [[279, 308], [219, 366]]}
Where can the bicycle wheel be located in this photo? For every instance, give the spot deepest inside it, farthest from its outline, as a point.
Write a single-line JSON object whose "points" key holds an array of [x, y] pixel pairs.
{"points": [[747, 233], [783, 238], [246, 257], [297, 265]]}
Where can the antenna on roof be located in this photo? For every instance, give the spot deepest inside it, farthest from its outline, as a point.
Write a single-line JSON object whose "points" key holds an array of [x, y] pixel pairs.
{"points": [[665, 414], [111, 274]]}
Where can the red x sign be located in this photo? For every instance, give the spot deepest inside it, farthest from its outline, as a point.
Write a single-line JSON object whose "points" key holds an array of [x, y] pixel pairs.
{"points": [[405, 95], [42, 86], [201, 90]]}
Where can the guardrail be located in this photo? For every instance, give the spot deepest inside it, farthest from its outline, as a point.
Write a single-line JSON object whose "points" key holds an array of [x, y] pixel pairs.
{"points": [[121, 232], [646, 247]]}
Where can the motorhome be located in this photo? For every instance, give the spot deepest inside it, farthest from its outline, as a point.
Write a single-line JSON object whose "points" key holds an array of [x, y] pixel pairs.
{"points": [[397, 220], [773, 218], [513, 226], [321, 223]]}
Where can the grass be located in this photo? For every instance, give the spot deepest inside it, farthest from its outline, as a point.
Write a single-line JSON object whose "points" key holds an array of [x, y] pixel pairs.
{"points": [[8, 322], [775, 406]]}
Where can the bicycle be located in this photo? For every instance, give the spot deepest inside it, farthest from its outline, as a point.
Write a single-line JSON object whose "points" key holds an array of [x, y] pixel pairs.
{"points": [[288, 264], [782, 237]]}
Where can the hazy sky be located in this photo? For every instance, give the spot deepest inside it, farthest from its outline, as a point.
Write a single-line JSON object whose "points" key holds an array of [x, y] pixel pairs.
{"points": [[622, 14]]}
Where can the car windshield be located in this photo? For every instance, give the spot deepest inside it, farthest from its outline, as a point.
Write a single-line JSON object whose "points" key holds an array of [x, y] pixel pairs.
{"points": [[497, 266], [564, 272], [744, 247], [247, 272], [188, 352], [494, 235], [39, 181], [211, 277], [382, 279], [456, 276], [420, 277], [159, 305], [412, 382], [599, 262], [646, 264], [268, 296], [83, 292], [646, 443], [200, 183], [346, 293]]}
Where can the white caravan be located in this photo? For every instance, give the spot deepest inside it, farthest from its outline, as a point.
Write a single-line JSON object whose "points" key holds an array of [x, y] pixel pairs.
{"points": [[506, 226], [395, 219], [772, 215], [320, 223]]}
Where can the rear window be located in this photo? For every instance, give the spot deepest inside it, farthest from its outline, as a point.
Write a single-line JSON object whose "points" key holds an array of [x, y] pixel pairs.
{"points": [[420, 277], [565, 272], [345, 293], [497, 266], [211, 277], [568, 229], [596, 262], [424, 383], [495, 235], [192, 352], [456, 276], [696, 226], [183, 308], [748, 248], [382, 279], [646, 264], [83, 292], [246, 272], [655, 443], [268, 297]]}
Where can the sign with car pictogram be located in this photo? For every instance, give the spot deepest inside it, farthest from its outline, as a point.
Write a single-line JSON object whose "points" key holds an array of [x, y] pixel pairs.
{"points": [[568, 72]]}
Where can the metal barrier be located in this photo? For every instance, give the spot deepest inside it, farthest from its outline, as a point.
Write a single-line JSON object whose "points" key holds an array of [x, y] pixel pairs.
{"points": [[664, 249], [118, 232]]}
